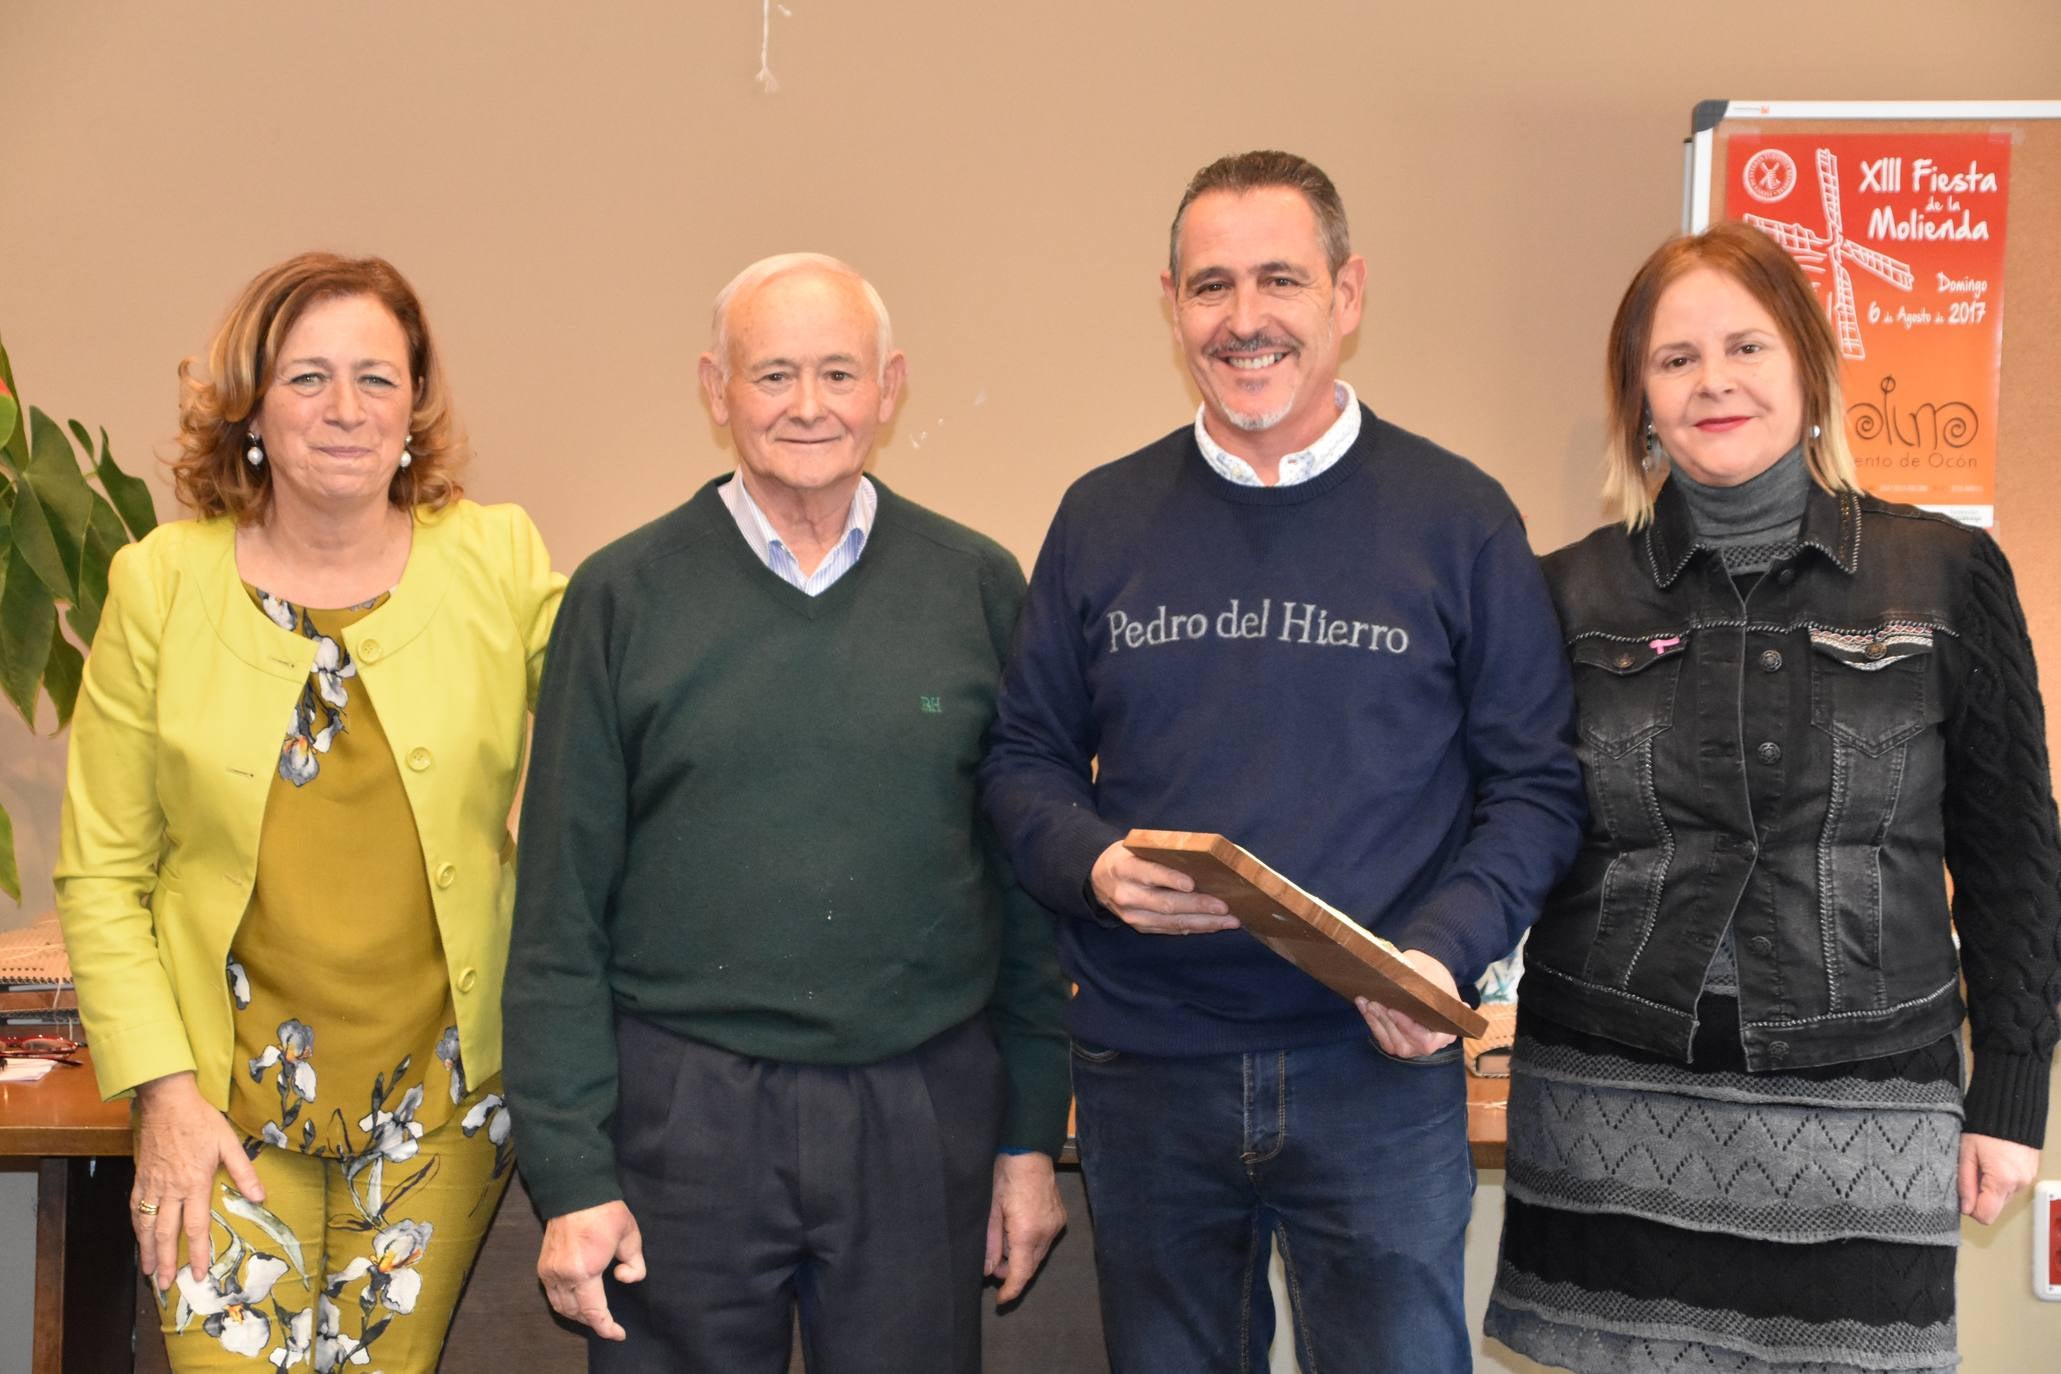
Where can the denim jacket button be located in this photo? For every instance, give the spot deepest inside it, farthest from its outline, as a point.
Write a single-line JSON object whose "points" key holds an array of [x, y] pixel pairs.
{"points": [[1875, 648], [1761, 944], [1786, 576], [1771, 660], [1626, 659], [1778, 1049], [1769, 752]]}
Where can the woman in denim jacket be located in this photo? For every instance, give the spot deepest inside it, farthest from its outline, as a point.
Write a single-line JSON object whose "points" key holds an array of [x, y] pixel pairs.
{"points": [[1738, 1136]]}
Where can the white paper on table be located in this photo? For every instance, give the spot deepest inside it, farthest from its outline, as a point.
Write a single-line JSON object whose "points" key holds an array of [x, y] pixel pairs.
{"points": [[25, 1070]]}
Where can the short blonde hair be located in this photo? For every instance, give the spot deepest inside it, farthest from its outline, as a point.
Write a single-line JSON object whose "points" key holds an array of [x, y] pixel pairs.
{"points": [[210, 474], [1772, 278]]}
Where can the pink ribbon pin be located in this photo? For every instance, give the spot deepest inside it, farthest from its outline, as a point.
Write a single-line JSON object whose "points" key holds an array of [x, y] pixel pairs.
{"points": [[1661, 646]]}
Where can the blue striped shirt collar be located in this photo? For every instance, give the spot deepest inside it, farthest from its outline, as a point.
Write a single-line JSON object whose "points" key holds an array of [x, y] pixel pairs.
{"points": [[770, 549]]}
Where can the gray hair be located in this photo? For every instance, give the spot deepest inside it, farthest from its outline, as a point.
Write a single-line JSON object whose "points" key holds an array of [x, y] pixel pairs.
{"points": [[1243, 172], [764, 270]]}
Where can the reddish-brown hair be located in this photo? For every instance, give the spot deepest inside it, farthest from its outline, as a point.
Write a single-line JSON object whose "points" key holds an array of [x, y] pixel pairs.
{"points": [[210, 474]]}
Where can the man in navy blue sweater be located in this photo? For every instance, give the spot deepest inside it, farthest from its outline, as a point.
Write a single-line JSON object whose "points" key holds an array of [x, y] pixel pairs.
{"points": [[1300, 626]]}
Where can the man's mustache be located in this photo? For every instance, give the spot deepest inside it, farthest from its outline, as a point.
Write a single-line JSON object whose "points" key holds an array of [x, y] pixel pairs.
{"points": [[1255, 343]]}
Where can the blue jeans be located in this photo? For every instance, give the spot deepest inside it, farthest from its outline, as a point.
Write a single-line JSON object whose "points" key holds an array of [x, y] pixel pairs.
{"points": [[1355, 1162]]}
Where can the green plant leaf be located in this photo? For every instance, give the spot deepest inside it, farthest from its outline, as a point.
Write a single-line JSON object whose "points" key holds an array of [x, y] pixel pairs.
{"points": [[31, 533], [10, 410], [130, 495], [53, 471], [14, 448], [27, 616], [61, 674], [103, 536], [83, 435], [10, 876]]}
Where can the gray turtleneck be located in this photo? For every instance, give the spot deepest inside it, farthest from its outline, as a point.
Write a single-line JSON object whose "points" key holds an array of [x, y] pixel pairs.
{"points": [[1754, 524]]}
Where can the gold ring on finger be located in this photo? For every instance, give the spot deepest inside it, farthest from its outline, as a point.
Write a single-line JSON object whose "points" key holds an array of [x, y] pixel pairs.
{"points": [[148, 1209]]}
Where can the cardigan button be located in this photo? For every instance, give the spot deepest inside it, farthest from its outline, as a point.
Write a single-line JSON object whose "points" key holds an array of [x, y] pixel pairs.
{"points": [[368, 650], [446, 874], [467, 978], [1771, 660], [419, 758]]}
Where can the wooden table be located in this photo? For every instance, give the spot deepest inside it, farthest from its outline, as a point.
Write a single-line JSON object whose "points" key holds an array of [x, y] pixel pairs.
{"points": [[85, 1256], [1488, 1123]]}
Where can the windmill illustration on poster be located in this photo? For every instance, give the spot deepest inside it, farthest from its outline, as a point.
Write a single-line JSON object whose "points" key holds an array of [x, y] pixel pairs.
{"points": [[1903, 234]]}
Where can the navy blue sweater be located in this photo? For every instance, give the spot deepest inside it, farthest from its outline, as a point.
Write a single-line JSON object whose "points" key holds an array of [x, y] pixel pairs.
{"points": [[1359, 678]]}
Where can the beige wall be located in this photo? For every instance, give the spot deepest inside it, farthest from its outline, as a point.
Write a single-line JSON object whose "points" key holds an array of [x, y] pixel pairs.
{"points": [[568, 185]]}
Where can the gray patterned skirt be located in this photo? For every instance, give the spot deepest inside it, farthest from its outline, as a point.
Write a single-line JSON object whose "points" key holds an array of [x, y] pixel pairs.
{"points": [[1663, 1216]]}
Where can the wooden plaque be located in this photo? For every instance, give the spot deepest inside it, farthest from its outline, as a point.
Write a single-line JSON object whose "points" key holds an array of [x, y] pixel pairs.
{"points": [[1320, 940]]}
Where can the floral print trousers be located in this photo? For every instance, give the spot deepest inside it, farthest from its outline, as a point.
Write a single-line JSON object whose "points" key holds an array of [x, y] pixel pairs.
{"points": [[334, 1271]]}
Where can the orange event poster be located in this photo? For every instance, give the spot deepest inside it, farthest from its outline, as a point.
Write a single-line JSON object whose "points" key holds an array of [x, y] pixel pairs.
{"points": [[1903, 235]]}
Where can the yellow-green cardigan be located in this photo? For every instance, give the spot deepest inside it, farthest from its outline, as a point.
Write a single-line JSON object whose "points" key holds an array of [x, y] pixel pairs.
{"points": [[187, 697]]}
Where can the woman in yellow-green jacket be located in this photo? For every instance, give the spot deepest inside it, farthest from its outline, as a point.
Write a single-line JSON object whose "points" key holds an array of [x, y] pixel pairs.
{"points": [[285, 872]]}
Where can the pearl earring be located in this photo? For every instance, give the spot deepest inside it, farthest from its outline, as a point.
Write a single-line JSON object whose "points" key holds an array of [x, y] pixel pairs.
{"points": [[255, 454], [407, 457], [1816, 433]]}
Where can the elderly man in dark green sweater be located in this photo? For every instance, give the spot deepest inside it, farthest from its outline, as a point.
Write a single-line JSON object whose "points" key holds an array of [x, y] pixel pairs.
{"points": [[783, 1035]]}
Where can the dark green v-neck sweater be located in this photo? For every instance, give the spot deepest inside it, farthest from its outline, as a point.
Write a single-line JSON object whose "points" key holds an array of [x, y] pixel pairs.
{"points": [[751, 819]]}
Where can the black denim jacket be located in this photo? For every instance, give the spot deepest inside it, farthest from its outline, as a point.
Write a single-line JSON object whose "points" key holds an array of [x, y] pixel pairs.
{"points": [[1796, 764]]}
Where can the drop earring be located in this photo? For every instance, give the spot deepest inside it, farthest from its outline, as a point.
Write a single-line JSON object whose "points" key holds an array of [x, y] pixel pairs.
{"points": [[255, 454], [1650, 459], [407, 456], [1817, 433]]}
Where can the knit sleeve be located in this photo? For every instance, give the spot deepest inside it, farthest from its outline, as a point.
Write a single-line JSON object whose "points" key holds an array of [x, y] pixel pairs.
{"points": [[2004, 850], [1028, 1010], [1529, 803], [1028, 1015], [559, 1051], [1035, 781]]}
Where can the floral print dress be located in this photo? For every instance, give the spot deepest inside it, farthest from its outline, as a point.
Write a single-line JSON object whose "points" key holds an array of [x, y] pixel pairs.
{"points": [[346, 1038]]}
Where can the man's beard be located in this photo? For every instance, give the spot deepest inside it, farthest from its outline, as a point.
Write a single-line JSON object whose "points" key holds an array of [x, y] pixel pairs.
{"points": [[1253, 424], [1261, 343]]}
